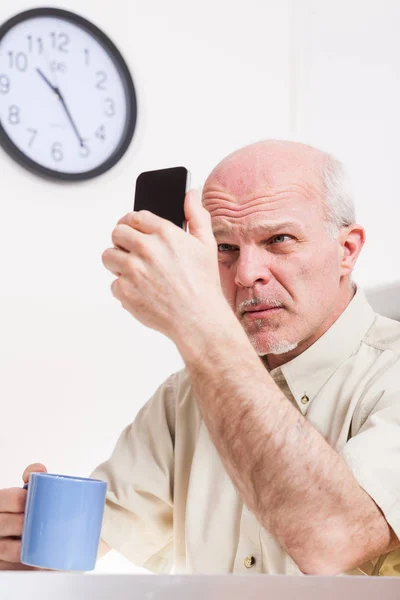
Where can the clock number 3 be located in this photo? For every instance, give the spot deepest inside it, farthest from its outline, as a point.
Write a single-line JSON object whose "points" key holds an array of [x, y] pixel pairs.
{"points": [[110, 107]]}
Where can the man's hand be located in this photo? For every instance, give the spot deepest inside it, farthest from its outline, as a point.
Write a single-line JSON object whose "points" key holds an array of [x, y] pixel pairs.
{"points": [[12, 509], [167, 279]]}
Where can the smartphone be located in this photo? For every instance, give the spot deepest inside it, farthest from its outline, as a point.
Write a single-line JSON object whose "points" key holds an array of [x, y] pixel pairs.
{"points": [[163, 193]]}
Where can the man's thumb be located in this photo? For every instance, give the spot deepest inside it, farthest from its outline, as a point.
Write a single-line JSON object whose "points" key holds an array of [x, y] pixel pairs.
{"points": [[197, 217], [33, 468]]}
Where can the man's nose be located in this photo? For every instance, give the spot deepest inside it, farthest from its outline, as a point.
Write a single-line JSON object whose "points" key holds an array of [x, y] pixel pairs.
{"points": [[252, 265]]}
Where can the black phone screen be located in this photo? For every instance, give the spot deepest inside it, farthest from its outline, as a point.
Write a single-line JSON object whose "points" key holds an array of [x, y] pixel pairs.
{"points": [[163, 193]]}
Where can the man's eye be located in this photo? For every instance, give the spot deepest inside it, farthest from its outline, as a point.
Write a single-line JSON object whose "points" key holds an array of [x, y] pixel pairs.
{"points": [[227, 248], [278, 239]]}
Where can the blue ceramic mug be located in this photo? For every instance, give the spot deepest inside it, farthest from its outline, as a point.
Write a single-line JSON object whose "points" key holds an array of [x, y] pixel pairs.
{"points": [[62, 524]]}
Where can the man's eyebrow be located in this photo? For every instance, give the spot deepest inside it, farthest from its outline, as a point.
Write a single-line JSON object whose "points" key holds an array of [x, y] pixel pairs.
{"points": [[261, 228]]}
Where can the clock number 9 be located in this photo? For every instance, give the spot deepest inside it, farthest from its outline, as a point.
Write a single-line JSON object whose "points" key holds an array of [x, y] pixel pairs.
{"points": [[4, 84], [56, 152], [13, 115]]}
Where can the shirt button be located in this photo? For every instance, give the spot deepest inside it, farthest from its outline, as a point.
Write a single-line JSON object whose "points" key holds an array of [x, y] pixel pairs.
{"points": [[305, 399], [249, 562]]}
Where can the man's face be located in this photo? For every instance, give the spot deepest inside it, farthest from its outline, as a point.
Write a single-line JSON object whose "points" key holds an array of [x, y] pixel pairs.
{"points": [[274, 249]]}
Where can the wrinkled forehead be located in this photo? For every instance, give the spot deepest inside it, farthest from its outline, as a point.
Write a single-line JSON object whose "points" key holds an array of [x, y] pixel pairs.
{"points": [[284, 191]]}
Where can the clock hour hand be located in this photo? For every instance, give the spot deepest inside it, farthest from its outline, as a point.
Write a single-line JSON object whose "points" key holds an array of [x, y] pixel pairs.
{"points": [[43, 76], [59, 95]]}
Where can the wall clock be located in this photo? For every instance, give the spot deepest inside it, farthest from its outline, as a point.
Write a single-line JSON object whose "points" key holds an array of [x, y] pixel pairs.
{"points": [[67, 100]]}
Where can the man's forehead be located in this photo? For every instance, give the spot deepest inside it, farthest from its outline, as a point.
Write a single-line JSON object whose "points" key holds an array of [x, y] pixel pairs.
{"points": [[266, 166], [246, 181]]}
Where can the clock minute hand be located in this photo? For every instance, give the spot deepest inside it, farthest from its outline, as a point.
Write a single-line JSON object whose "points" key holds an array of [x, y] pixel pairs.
{"points": [[59, 95]]}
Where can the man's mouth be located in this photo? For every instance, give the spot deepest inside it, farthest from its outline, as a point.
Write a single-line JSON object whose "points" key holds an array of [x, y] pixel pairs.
{"points": [[259, 313]]}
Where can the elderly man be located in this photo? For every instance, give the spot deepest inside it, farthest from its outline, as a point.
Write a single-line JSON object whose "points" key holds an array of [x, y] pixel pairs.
{"points": [[277, 448]]}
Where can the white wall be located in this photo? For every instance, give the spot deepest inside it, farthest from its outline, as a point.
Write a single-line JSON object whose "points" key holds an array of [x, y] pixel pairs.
{"points": [[346, 98], [74, 366]]}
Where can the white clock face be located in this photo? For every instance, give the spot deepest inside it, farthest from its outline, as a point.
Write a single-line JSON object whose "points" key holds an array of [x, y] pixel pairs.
{"points": [[63, 101]]}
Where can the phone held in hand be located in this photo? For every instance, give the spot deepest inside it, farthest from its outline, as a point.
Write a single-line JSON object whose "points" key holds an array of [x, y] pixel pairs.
{"points": [[163, 193]]}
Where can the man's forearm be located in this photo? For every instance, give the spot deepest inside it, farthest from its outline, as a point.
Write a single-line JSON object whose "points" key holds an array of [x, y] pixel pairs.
{"points": [[298, 487]]}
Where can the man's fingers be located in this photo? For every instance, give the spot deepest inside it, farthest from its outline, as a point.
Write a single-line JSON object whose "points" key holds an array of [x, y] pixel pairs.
{"points": [[145, 221], [198, 218], [114, 260], [11, 524], [12, 500], [10, 550], [123, 237], [127, 219], [9, 566]]}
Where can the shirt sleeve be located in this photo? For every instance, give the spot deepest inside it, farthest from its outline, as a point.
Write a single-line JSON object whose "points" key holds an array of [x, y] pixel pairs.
{"points": [[138, 514], [373, 454]]}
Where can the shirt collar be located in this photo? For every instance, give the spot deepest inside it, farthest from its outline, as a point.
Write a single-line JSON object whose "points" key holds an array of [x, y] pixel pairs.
{"points": [[310, 370]]}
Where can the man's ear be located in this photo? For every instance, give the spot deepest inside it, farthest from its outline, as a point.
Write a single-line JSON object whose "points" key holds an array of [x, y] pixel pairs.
{"points": [[351, 240]]}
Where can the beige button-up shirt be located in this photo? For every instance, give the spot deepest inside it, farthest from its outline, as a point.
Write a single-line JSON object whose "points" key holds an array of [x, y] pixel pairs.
{"points": [[171, 506]]}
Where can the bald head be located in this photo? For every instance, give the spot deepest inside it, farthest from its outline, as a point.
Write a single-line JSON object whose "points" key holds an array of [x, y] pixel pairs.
{"points": [[267, 162], [271, 164]]}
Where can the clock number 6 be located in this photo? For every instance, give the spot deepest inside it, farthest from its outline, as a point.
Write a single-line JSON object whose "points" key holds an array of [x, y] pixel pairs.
{"points": [[56, 151]]}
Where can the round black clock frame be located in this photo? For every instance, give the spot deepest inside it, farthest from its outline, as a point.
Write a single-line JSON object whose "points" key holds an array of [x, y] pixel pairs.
{"points": [[129, 88]]}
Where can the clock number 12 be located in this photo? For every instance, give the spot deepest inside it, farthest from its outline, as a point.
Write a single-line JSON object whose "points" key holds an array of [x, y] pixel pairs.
{"points": [[63, 41]]}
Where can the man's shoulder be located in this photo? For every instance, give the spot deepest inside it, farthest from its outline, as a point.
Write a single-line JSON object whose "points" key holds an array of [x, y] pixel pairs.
{"points": [[180, 381], [177, 388], [172, 401], [384, 334], [183, 412]]}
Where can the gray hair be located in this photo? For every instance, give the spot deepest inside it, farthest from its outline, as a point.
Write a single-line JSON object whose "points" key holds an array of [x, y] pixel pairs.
{"points": [[339, 203]]}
